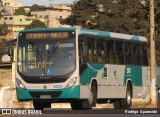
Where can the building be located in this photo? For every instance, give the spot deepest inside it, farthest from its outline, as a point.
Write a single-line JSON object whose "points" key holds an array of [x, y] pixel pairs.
{"points": [[9, 6], [62, 6], [17, 23], [53, 14], [11, 3]]}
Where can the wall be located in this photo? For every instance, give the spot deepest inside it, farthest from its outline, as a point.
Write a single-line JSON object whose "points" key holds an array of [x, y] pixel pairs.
{"points": [[5, 76]]}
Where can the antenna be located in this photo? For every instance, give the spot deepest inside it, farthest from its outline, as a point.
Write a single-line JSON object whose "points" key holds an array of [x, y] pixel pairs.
{"points": [[51, 2]]}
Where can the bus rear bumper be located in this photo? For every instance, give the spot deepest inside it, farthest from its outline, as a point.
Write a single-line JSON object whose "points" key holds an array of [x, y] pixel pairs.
{"points": [[32, 94]]}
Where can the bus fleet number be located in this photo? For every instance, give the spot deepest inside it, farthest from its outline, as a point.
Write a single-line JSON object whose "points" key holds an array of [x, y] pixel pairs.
{"points": [[58, 86]]}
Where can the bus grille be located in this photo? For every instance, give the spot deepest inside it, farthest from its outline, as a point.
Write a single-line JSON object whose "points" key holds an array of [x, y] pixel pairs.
{"points": [[52, 94]]}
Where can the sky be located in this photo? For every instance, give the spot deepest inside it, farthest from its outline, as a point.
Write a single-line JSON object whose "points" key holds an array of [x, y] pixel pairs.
{"points": [[42, 2]]}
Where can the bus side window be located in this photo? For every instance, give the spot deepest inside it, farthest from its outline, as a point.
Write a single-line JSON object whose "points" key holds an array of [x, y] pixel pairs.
{"points": [[128, 53], [100, 50], [119, 55], [136, 53], [144, 55], [92, 50], [82, 52], [110, 56]]}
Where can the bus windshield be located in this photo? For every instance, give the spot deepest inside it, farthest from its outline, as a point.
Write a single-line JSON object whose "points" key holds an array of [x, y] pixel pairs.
{"points": [[42, 58]]}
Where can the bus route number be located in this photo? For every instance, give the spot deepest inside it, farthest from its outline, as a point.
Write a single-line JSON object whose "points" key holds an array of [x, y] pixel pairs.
{"points": [[128, 70], [57, 86]]}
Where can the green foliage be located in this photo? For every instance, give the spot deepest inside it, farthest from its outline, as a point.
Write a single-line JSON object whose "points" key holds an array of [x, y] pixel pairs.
{"points": [[36, 7], [3, 45], [20, 11], [36, 24], [3, 29], [125, 16]]}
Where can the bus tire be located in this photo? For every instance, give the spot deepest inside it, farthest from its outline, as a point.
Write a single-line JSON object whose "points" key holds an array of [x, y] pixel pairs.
{"points": [[91, 102], [38, 105], [117, 104], [127, 102], [88, 103]]}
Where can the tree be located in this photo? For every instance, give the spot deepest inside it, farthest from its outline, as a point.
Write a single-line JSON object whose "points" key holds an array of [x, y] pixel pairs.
{"points": [[20, 11], [36, 7], [3, 45], [3, 29], [157, 29], [36, 24], [126, 16]]}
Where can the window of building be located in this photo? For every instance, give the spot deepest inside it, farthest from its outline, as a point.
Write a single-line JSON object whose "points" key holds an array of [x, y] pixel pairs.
{"points": [[5, 18], [60, 17], [10, 18]]}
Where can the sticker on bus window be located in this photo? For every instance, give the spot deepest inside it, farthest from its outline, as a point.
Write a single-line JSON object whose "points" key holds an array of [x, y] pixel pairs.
{"points": [[105, 72], [115, 74], [49, 71]]}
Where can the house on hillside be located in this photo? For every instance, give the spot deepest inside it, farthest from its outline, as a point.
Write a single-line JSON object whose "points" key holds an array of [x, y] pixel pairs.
{"points": [[9, 6], [17, 23], [54, 13]]}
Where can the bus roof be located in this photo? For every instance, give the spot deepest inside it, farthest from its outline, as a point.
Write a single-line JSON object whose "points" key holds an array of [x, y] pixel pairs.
{"points": [[92, 32], [113, 35]]}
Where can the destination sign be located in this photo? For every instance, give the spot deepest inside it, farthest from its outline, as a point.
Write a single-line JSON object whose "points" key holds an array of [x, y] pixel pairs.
{"points": [[46, 35]]}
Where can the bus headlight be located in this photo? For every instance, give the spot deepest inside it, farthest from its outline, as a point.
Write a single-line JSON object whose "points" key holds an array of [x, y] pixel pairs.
{"points": [[72, 82], [19, 84]]}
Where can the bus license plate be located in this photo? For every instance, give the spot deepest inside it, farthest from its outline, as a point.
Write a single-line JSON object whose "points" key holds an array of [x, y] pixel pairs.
{"points": [[45, 97]]}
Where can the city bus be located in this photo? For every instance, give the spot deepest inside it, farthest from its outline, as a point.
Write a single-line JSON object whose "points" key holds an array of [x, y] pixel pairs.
{"points": [[81, 66]]}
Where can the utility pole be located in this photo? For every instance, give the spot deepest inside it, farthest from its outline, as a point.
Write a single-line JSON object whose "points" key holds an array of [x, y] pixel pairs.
{"points": [[153, 97]]}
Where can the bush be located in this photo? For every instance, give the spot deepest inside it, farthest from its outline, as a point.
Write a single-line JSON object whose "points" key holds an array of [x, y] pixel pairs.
{"points": [[3, 45]]}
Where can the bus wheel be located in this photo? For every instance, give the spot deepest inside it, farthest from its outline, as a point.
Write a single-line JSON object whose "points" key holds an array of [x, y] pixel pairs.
{"points": [[38, 105], [86, 104], [127, 102], [117, 104], [91, 102]]}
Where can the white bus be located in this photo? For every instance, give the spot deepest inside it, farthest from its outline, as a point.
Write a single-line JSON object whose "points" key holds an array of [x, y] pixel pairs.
{"points": [[81, 66]]}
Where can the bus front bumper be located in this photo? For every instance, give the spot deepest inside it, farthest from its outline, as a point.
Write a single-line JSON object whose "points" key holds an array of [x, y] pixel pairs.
{"points": [[32, 94]]}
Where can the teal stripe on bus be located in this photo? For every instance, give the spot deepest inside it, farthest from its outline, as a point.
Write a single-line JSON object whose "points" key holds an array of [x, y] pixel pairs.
{"points": [[95, 32], [133, 73], [90, 72], [24, 94], [135, 38]]}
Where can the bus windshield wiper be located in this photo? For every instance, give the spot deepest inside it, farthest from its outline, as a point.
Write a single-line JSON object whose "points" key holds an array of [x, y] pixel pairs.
{"points": [[56, 46]]}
